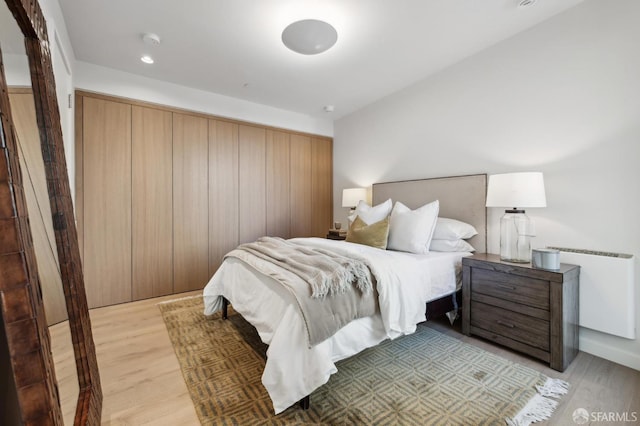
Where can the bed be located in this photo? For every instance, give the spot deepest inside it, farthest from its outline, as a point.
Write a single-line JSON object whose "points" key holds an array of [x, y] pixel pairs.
{"points": [[294, 368]]}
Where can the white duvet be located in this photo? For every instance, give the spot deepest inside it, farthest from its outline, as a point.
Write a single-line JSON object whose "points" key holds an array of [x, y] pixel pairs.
{"points": [[293, 370]]}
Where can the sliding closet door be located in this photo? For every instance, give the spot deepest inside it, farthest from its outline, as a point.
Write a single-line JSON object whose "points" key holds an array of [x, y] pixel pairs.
{"points": [[35, 189], [107, 201], [152, 212], [300, 186], [252, 197], [190, 202], [223, 190], [278, 185], [321, 186]]}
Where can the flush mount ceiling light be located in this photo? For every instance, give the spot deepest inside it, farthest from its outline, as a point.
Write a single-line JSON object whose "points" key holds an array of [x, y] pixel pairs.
{"points": [[151, 38], [309, 36]]}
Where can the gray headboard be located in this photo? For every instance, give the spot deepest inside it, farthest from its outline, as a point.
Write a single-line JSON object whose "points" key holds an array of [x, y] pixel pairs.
{"points": [[461, 197]]}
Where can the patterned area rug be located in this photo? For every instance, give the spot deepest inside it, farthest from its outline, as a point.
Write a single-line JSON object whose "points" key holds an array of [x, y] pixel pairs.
{"points": [[425, 378]]}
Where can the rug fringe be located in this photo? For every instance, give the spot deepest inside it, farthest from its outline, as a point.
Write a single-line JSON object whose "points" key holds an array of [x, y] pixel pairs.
{"points": [[178, 299], [554, 388], [541, 406]]}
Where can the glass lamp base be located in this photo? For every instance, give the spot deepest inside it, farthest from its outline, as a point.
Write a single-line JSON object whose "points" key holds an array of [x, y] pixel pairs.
{"points": [[515, 239]]}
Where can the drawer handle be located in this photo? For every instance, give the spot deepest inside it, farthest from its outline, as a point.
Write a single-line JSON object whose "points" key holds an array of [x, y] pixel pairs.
{"points": [[506, 324], [506, 287]]}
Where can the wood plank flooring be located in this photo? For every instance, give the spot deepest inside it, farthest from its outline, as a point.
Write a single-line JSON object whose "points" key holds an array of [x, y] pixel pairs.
{"points": [[142, 383], [597, 385], [141, 379]]}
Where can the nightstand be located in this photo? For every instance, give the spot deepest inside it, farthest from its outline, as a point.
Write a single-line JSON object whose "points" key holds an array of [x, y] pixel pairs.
{"points": [[331, 236], [531, 310]]}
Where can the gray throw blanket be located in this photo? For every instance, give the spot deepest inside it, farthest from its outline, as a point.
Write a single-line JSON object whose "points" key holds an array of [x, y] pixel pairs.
{"points": [[326, 272], [330, 290]]}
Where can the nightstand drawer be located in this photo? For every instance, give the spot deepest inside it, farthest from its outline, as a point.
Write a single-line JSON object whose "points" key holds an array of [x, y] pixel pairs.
{"points": [[519, 289], [522, 328], [511, 306]]}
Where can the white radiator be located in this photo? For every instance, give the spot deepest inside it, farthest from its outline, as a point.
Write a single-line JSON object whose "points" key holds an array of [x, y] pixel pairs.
{"points": [[607, 290]]}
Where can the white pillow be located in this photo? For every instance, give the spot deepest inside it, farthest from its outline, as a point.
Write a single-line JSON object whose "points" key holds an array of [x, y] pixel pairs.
{"points": [[450, 245], [411, 230], [371, 215], [452, 230]]}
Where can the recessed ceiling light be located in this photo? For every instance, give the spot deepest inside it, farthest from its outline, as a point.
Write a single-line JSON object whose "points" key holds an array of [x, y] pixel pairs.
{"points": [[525, 3], [147, 59], [309, 36]]}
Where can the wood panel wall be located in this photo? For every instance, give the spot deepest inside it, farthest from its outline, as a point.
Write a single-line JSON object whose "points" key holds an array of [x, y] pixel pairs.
{"points": [[252, 197], [107, 201], [198, 186], [321, 185], [223, 190], [151, 202], [278, 183], [190, 202], [301, 197]]}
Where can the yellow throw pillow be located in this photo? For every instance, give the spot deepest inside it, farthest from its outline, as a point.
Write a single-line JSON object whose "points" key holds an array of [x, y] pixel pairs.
{"points": [[374, 235]]}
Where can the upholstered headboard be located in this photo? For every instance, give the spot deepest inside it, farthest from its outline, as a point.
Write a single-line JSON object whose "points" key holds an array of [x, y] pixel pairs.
{"points": [[461, 197]]}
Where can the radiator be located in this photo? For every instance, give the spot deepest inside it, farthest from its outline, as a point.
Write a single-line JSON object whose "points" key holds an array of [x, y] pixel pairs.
{"points": [[607, 290]]}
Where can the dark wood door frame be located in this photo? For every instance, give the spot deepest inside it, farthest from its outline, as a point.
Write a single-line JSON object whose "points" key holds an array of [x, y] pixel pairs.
{"points": [[20, 294]]}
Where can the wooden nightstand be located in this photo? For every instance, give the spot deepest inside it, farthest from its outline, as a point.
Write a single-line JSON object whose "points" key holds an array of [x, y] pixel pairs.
{"points": [[531, 310], [336, 237]]}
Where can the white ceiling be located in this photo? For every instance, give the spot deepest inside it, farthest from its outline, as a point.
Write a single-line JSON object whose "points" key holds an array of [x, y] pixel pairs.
{"points": [[233, 47]]}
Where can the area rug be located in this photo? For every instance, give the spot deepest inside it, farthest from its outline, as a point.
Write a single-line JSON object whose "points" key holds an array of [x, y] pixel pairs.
{"points": [[425, 378]]}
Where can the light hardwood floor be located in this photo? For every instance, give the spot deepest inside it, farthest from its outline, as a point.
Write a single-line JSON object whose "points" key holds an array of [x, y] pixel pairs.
{"points": [[141, 379], [142, 383]]}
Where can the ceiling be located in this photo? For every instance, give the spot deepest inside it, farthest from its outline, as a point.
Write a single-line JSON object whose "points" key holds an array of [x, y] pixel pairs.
{"points": [[233, 47]]}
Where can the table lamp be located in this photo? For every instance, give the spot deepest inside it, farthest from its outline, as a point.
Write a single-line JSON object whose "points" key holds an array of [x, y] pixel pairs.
{"points": [[516, 190], [352, 196]]}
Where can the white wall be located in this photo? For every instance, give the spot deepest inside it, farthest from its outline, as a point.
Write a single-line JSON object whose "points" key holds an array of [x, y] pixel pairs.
{"points": [[17, 74], [562, 98], [118, 83], [16, 69]]}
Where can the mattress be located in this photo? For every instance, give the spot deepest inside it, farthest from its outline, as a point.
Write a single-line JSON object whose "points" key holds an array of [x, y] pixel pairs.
{"points": [[293, 369]]}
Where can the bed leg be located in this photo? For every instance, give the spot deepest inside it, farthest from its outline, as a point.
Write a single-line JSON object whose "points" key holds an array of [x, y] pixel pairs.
{"points": [[304, 403], [225, 306]]}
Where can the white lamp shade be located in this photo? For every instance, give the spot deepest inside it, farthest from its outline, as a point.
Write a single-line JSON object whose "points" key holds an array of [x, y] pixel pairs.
{"points": [[352, 196], [516, 190]]}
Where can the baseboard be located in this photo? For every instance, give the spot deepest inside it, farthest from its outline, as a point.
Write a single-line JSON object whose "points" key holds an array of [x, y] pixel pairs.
{"points": [[608, 352]]}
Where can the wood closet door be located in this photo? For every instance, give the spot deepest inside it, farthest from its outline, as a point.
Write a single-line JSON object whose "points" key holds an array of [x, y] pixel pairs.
{"points": [[35, 189], [223, 191], [321, 186], [152, 194], [252, 190], [300, 186], [278, 184], [106, 144], [190, 202]]}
